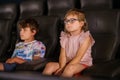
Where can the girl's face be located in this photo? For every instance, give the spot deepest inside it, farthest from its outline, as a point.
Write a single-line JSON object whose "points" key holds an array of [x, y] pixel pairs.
{"points": [[26, 34], [72, 24]]}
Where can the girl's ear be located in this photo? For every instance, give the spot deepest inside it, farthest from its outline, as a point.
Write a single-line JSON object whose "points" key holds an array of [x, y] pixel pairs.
{"points": [[82, 23]]}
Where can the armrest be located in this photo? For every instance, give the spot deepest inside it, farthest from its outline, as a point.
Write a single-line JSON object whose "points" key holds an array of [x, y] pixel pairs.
{"points": [[33, 65], [106, 69]]}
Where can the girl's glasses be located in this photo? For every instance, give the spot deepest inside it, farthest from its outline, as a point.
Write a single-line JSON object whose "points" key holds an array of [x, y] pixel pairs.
{"points": [[72, 20]]}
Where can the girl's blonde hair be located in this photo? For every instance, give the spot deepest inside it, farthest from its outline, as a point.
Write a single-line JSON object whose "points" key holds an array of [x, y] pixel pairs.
{"points": [[80, 15]]}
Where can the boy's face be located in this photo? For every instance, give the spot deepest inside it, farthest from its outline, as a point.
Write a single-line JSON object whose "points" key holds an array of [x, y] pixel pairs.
{"points": [[26, 34]]}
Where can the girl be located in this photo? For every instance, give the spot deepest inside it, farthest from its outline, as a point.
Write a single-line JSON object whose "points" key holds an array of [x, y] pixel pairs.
{"points": [[76, 42]]}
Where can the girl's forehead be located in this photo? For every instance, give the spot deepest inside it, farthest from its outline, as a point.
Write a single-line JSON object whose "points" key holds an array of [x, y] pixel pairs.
{"points": [[71, 16]]}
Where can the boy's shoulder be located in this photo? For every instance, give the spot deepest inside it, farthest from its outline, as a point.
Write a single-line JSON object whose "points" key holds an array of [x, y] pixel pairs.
{"points": [[19, 43], [38, 43], [35, 42]]}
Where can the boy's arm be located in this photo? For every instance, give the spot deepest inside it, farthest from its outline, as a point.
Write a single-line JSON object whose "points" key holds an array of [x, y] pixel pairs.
{"points": [[38, 54], [16, 60], [39, 51], [36, 57], [81, 51]]}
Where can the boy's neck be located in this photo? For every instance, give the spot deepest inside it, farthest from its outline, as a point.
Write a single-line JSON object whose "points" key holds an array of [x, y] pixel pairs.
{"points": [[29, 40]]}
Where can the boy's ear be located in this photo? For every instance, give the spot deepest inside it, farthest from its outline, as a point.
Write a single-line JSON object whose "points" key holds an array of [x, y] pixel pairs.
{"points": [[34, 32]]}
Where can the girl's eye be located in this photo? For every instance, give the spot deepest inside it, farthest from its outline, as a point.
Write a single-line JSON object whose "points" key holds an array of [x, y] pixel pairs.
{"points": [[72, 20]]}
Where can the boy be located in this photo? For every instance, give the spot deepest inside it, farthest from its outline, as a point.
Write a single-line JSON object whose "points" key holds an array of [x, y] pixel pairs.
{"points": [[29, 49]]}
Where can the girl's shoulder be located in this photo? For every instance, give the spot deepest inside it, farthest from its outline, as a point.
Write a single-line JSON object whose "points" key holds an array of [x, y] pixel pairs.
{"points": [[84, 35], [63, 39], [87, 34], [63, 34]]}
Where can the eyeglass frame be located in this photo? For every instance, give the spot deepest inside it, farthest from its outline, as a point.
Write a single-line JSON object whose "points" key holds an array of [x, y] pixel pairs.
{"points": [[72, 20]]}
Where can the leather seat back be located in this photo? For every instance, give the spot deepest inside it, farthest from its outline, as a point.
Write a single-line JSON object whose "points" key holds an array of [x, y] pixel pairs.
{"points": [[104, 28], [29, 8], [8, 14], [95, 5]]}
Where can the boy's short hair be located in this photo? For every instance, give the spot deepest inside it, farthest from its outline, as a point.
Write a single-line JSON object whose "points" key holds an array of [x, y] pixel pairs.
{"points": [[29, 22]]}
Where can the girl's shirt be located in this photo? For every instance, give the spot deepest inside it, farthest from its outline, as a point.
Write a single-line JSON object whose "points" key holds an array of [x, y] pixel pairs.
{"points": [[71, 45], [26, 51]]}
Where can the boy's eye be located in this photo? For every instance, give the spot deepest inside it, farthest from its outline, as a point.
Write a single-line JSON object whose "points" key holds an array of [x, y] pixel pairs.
{"points": [[72, 20], [20, 29], [23, 29]]}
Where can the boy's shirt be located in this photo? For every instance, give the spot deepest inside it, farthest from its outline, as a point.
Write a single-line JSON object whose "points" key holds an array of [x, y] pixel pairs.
{"points": [[26, 51]]}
